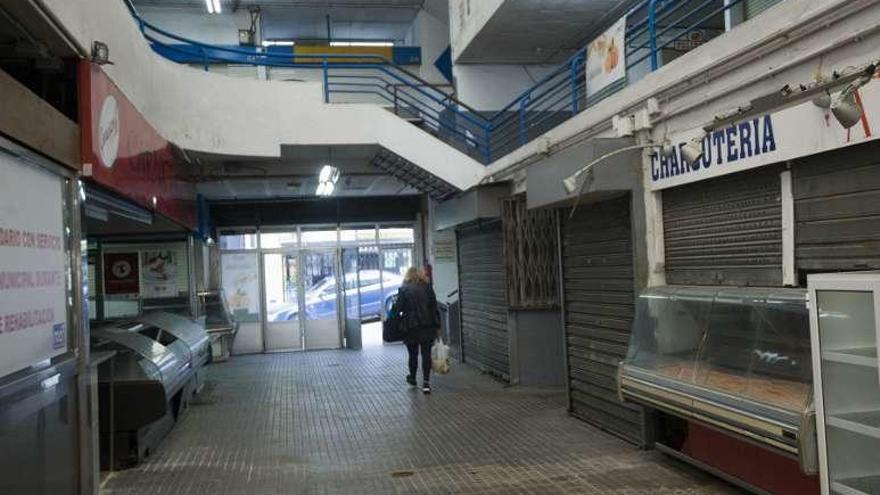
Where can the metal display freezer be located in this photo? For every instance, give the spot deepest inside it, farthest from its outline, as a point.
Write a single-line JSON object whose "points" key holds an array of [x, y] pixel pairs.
{"points": [[734, 359]]}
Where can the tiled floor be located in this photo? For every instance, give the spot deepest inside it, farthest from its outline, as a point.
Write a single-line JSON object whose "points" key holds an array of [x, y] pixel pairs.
{"points": [[345, 422]]}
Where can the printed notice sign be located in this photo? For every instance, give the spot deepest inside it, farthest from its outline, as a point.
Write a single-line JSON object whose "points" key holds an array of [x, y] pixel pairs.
{"points": [[241, 285], [33, 312]]}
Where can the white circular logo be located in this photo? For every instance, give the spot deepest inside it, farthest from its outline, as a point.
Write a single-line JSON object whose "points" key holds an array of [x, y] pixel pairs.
{"points": [[121, 269], [108, 131]]}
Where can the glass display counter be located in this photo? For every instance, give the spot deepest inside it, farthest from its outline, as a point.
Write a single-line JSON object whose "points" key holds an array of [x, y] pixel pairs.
{"points": [[736, 359], [845, 334]]}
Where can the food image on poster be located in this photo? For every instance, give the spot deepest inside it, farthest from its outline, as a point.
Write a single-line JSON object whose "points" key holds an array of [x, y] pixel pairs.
{"points": [[606, 61], [160, 273], [241, 285]]}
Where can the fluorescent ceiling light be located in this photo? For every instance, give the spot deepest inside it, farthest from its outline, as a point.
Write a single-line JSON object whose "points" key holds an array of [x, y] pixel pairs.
{"points": [[210, 5], [328, 173], [361, 43], [217, 7], [278, 42], [325, 189]]}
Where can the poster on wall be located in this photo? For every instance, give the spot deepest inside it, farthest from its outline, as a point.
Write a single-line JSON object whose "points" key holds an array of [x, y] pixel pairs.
{"points": [[159, 273], [606, 60], [241, 285], [121, 274], [443, 246], [33, 310]]}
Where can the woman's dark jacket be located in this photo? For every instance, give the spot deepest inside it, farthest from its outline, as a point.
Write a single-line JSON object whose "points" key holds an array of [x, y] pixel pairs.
{"points": [[421, 316]]}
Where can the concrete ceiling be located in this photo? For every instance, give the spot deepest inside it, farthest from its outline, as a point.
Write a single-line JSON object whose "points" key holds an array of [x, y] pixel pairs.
{"points": [[307, 19], [539, 31], [294, 174]]}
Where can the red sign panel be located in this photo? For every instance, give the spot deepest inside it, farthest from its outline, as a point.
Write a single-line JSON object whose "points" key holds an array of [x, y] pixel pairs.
{"points": [[122, 151], [121, 273]]}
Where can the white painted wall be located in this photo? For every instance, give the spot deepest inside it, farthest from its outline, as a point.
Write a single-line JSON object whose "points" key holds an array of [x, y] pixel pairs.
{"points": [[466, 19], [431, 33], [197, 24], [206, 112], [492, 87], [445, 270]]}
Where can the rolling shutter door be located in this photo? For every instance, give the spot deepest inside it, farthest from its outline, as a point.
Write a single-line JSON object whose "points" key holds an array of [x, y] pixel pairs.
{"points": [[599, 295], [837, 210], [485, 341], [725, 231]]}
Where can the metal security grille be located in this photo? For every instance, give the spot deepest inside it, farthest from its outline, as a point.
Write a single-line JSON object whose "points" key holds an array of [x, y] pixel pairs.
{"points": [[837, 210], [530, 252], [599, 304], [485, 342], [725, 231]]}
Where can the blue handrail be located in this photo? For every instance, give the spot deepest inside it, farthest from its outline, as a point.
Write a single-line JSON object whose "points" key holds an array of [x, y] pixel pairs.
{"points": [[652, 26]]}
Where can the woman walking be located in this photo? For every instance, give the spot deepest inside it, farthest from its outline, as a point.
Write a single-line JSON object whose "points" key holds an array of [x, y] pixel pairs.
{"points": [[421, 322]]}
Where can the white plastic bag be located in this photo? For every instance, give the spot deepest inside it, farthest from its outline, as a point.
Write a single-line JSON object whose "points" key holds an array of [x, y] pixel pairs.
{"points": [[440, 357]]}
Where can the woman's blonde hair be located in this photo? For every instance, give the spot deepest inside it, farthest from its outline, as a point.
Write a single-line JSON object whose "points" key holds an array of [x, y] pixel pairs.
{"points": [[414, 275]]}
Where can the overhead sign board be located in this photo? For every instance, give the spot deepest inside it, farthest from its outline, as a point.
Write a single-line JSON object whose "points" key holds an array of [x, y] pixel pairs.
{"points": [[794, 132], [33, 310], [123, 152]]}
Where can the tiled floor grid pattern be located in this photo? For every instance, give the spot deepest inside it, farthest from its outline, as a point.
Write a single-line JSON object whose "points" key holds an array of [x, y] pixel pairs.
{"points": [[345, 422]]}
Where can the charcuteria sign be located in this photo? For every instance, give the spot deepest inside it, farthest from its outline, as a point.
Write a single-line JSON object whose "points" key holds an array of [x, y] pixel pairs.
{"points": [[794, 132]]}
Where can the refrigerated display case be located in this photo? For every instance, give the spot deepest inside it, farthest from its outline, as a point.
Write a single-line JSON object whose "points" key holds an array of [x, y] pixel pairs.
{"points": [[735, 359], [845, 335]]}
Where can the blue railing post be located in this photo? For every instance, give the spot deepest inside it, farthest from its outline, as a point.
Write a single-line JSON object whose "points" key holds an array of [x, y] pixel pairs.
{"points": [[204, 57], [487, 151], [574, 65], [324, 65], [652, 33], [523, 130]]}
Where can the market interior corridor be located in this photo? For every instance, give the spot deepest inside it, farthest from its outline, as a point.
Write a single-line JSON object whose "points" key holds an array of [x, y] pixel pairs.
{"points": [[345, 422]]}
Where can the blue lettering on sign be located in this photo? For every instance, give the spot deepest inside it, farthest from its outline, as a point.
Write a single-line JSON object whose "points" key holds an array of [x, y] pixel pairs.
{"points": [[769, 140], [745, 140], [707, 151], [59, 336], [730, 134], [724, 146]]}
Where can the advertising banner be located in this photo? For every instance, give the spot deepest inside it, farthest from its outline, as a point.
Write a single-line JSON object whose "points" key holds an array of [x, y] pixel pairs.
{"points": [[160, 273], [33, 311], [121, 274], [123, 152], [790, 133], [606, 58], [241, 285]]}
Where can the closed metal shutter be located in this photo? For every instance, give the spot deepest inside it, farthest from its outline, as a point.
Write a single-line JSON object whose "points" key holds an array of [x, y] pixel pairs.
{"points": [[485, 342], [725, 231], [598, 287], [837, 210], [755, 7]]}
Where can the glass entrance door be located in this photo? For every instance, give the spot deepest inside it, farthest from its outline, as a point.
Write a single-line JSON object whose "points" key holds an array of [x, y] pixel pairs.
{"points": [[321, 319], [351, 298], [282, 301]]}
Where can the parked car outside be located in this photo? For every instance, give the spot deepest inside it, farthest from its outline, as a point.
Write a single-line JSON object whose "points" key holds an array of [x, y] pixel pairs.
{"points": [[320, 298]]}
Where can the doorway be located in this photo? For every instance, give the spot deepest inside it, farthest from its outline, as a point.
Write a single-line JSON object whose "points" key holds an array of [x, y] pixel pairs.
{"points": [[320, 287]]}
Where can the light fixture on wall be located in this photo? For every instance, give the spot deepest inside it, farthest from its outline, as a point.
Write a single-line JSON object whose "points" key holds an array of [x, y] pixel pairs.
{"points": [[100, 53], [327, 178], [571, 182], [693, 149]]}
